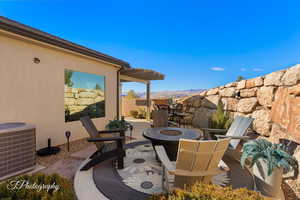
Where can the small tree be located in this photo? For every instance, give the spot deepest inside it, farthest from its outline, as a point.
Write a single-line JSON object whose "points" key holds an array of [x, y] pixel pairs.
{"points": [[239, 78], [98, 87], [131, 94], [68, 77]]}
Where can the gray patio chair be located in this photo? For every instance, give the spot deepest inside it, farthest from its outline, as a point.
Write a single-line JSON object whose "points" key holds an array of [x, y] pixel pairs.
{"points": [[237, 132], [107, 147]]}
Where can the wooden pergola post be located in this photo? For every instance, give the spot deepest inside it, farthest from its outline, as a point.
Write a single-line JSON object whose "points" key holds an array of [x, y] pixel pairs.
{"points": [[148, 101]]}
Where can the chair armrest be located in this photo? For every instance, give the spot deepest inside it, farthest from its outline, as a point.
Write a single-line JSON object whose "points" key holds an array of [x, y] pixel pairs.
{"points": [[170, 123], [105, 139], [163, 157], [112, 131], [233, 137]]}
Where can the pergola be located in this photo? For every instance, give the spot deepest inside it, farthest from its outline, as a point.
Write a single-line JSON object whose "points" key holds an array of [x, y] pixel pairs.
{"points": [[142, 76]]}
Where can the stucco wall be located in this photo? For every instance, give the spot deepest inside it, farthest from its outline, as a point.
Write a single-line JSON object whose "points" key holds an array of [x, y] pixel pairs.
{"points": [[34, 93]]}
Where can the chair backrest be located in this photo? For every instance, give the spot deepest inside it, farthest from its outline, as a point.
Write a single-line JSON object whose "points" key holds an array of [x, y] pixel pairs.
{"points": [[160, 118], [200, 155], [91, 129], [239, 127]]}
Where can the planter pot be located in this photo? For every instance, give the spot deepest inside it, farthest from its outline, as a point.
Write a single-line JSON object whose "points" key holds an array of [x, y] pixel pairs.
{"points": [[268, 185]]}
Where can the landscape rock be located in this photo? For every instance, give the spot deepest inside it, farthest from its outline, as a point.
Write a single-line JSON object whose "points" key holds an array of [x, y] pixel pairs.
{"points": [[291, 76], [262, 122], [85, 101], [285, 110], [241, 84], [87, 94], [230, 104], [274, 78], [212, 91], [248, 92], [211, 101], [255, 82], [227, 92], [233, 84], [247, 105], [265, 96], [202, 117]]}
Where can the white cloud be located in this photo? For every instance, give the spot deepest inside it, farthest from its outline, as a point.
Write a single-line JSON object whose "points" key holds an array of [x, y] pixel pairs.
{"points": [[217, 69], [257, 69], [243, 69]]}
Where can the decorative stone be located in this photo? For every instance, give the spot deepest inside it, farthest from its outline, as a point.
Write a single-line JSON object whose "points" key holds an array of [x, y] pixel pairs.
{"points": [[197, 101], [233, 84], [247, 105], [265, 96], [69, 95], [203, 93], [87, 94], [98, 99], [248, 92], [202, 117], [262, 122], [285, 110], [274, 78], [230, 104], [255, 82], [69, 101], [241, 84], [85, 101], [277, 132], [227, 92], [292, 75], [212, 91], [211, 101]]}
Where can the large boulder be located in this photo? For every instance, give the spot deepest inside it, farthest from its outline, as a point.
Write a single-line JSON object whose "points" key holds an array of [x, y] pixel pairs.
{"points": [[255, 82], [70, 101], [265, 96], [274, 78], [85, 101], [227, 92], [87, 95], [247, 105], [248, 92], [291, 76], [233, 84], [241, 84], [262, 122], [286, 108], [212, 91], [230, 104], [211, 101], [201, 117]]}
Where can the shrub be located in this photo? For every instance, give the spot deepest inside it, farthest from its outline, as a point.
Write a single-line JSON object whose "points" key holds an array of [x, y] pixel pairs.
{"points": [[10, 191], [134, 113], [201, 191], [220, 119], [118, 124]]}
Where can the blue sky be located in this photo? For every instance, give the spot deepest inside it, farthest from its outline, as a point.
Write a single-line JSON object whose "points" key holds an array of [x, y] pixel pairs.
{"points": [[196, 44], [87, 80]]}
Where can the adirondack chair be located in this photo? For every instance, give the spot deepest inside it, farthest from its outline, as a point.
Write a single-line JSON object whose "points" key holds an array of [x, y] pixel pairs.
{"points": [[108, 145], [236, 133], [161, 119], [196, 161]]}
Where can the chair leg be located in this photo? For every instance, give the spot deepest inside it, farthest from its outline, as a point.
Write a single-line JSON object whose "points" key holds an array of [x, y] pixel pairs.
{"points": [[94, 154]]}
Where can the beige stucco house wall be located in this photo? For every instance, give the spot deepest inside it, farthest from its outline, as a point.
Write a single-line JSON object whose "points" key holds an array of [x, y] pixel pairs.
{"points": [[34, 93]]}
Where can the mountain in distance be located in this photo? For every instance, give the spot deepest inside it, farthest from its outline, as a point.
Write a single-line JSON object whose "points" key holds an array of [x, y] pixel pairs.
{"points": [[170, 93]]}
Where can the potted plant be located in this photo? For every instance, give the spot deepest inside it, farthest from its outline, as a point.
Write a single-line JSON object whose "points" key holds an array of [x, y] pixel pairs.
{"points": [[119, 124], [269, 162]]}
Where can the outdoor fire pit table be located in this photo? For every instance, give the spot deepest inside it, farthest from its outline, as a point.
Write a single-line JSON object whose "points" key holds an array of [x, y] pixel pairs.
{"points": [[169, 138]]}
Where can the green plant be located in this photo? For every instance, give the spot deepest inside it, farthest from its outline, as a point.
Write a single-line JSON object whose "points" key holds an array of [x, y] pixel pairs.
{"points": [[131, 94], [60, 188], [118, 124], [201, 191], [134, 113], [220, 119], [68, 77], [275, 155]]}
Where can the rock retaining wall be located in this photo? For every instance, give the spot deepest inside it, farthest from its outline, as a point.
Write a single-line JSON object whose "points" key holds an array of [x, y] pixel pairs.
{"points": [[273, 100]]}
